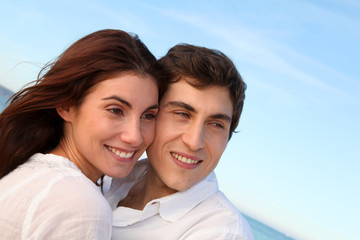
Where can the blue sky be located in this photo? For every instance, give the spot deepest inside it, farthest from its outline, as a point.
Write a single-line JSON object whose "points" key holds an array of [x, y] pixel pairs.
{"points": [[295, 162]]}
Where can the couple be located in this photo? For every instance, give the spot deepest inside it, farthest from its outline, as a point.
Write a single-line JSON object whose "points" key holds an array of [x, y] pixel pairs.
{"points": [[92, 113]]}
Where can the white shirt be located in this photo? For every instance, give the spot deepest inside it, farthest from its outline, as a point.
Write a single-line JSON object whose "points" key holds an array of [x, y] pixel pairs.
{"points": [[49, 198], [201, 212]]}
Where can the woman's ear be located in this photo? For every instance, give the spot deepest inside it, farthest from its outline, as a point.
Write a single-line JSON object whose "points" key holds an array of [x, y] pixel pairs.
{"points": [[65, 113]]}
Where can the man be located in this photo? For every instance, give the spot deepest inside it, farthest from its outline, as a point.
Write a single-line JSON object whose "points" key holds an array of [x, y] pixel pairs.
{"points": [[174, 194]]}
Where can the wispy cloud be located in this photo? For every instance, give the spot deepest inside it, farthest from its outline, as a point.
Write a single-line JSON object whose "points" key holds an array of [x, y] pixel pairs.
{"points": [[253, 48], [332, 10], [21, 13], [121, 17]]}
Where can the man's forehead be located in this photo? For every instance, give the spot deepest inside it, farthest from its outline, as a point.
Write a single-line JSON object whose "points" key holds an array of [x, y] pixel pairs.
{"points": [[193, 84]]}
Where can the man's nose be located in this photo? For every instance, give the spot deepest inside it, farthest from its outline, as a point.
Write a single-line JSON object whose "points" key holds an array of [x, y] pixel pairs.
{"points": [[194, 136]]}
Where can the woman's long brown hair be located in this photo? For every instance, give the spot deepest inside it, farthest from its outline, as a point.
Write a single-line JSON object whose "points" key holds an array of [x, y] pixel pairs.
{"points": [[30, 123]]}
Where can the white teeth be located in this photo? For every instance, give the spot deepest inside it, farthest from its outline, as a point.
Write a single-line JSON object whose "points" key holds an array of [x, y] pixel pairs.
{"points": [[184, 159], [121, 154]]}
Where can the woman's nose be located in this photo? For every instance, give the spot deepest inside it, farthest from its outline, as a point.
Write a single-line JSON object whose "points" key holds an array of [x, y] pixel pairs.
{"points": [[132, 133]]}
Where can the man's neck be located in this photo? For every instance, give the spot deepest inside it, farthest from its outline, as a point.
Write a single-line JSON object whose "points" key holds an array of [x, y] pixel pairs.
{"points": [[149, 188]]}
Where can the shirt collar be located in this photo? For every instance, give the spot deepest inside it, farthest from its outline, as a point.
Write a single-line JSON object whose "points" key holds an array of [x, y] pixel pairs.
{"points": [[175, 206], [170, 208]]}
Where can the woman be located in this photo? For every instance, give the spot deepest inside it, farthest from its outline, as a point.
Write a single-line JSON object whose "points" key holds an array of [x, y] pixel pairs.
{"points": [[92, 113]]}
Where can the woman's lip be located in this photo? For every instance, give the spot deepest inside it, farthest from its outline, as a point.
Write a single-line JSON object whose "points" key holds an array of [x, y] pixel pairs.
{"points": [[121, 155]]}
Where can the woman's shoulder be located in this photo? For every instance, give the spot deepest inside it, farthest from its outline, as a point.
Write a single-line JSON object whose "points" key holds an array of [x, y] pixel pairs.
{"points": [[49, 161], [59, 184], [52, 200], [79, 194], [72, 198]]}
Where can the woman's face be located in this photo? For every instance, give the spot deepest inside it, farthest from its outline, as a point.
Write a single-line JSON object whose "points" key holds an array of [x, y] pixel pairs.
{"points": [[113, 126]]}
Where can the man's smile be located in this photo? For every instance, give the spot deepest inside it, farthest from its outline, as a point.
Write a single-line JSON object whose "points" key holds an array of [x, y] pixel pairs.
{"points": [[185, 159]]}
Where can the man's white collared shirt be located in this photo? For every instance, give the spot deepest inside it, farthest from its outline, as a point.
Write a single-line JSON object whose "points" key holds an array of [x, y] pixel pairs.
{"points": [[201, 212]]}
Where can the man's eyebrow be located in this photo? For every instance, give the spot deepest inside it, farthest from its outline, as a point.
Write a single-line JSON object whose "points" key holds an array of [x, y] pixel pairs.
{"points": [[123, 101], [191, 109], [180, 104], [222, 116]]}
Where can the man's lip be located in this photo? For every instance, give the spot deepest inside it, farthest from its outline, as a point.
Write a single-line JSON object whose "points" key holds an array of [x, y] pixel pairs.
{"points": [[185, 161], [186, 155]]}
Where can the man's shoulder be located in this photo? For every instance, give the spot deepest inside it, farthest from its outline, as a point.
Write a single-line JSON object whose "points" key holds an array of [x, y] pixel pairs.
{"points": [[220, 213], [218, 202], [214, 199], [210, 199]]}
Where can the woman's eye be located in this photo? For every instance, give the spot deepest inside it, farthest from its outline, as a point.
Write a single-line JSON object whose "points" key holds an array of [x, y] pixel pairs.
{"points": [[148, 116], [116, 111]]}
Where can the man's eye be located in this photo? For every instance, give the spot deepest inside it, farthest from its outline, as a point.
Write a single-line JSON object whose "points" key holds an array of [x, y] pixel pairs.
{"points": [[218, 125], [183, 114], [149, 116], [116, 111]]}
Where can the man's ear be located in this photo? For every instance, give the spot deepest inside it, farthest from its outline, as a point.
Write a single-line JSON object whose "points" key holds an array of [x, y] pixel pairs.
{"points": [[65, 113]]}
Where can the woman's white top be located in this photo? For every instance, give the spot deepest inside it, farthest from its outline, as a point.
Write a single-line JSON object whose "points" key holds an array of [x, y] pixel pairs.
{"points": [[48, 197]]}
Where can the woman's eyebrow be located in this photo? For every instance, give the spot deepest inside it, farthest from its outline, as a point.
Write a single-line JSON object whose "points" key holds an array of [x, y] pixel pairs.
{"points": [[155, 106], [114, 97]]}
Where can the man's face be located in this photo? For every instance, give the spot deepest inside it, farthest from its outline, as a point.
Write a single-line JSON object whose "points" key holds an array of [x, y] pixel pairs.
{"points": [[192, 131]]}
